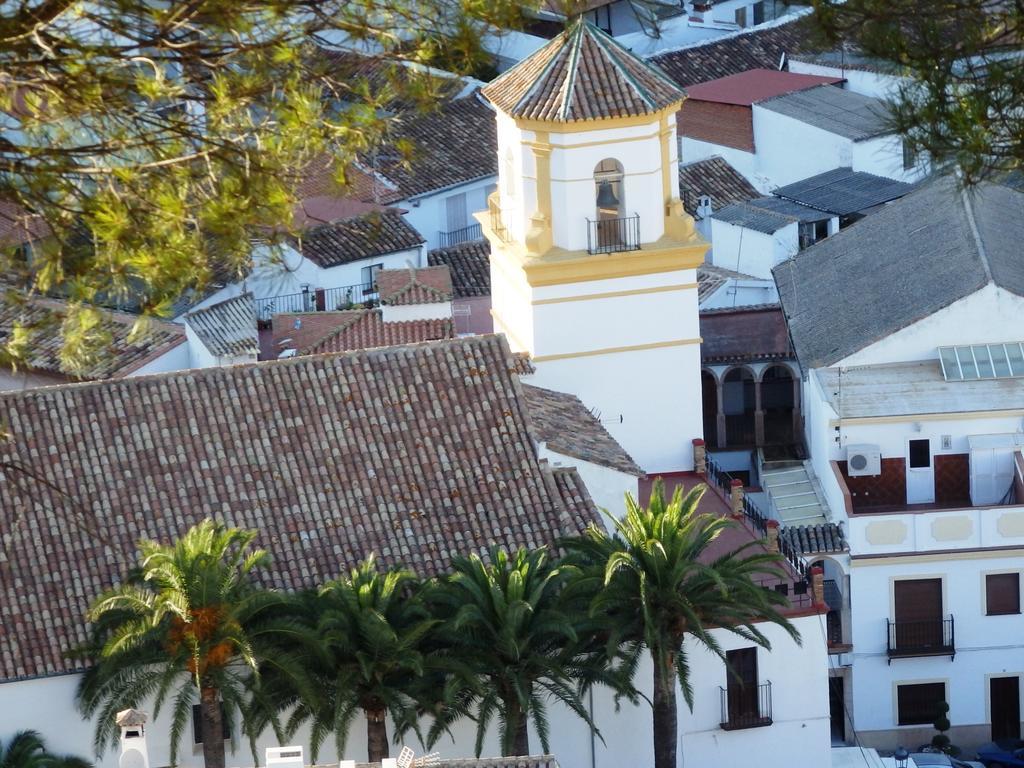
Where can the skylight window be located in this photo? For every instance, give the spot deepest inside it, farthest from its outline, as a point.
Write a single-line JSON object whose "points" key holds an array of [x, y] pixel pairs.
{"points": [[982, 361]]}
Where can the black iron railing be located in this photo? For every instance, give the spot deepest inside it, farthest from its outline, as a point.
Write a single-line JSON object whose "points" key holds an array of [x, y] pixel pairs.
{"points": [[612, 235], [456, 236], [753, 513], [928, 637], [746, 706], [317, 300]]}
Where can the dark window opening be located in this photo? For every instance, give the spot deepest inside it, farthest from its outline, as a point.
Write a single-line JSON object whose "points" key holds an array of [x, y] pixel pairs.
{"points": [[197, 723], [1002, 593], [909, 156], [811, 232], [369, 276], [917, 704], [920, 454]]}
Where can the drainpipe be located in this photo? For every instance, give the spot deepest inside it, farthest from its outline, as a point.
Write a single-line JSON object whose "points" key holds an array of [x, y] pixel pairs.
{"points": [[593, 738]]}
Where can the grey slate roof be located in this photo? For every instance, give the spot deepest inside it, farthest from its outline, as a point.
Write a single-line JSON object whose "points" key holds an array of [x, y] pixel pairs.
{"points": [[227, 328], [843, 191], [717, 179], [832, 109], [752, 217], [912, 258], [815, 539], [415, 453], [567, 427]]}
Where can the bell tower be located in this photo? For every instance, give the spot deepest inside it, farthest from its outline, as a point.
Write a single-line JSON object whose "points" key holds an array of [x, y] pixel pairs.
{"points": [[593, 258]]}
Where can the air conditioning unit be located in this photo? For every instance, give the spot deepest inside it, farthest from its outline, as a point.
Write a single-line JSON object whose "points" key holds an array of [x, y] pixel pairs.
{"points": [[863, 460], [284, 757]]}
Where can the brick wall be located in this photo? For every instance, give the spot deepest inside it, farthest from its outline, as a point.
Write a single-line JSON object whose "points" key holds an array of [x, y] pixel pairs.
{"points": [[953, 479], [888, 489], [725, 124]]}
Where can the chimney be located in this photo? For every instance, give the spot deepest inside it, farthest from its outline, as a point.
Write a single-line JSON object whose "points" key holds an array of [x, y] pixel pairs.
{"points": [[772, 536], [132, 723], [704, 209], [700, 457], [818, 585], [284, 757], [736, 496]]}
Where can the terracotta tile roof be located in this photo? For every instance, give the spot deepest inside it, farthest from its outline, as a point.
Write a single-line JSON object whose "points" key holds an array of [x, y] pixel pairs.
{"points": [[454, 145], [753, 85], [583, 74], [815, 539], [227, 328], [18, 226], [361, 237], [757, 48], [568, 427], [426, 285], [470, 266], [716, 178], [415, 453], [319, 179], [122, 353], [522, 364], [756, 332], [353, 329], [710, 278]]}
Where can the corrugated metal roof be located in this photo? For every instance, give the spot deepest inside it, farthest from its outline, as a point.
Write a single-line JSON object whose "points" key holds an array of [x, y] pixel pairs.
{"points": [[832, 109], [746, 88], [843, 191], [751, 217], [789, 208]]}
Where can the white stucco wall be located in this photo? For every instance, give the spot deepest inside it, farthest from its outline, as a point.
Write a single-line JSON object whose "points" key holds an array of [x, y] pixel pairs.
{"points": [[11, 380], [985, 645], [573, 159], [176, 359], [860, 81], [428, 214], [990, 315], [798, 736], [789, 150], [693, 150], [751, 252], [607, 487], [741, 293], [435, 310]]}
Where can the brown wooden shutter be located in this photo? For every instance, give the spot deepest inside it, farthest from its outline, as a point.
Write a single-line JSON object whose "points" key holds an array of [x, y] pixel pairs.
{"points": [[918, 599], [1002, 593]]}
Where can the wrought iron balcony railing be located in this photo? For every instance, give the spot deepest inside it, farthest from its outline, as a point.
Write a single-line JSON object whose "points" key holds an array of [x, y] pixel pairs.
{"points": [[317, 300], [613, 235], [456, 236], [929, 637], [746, 706]]}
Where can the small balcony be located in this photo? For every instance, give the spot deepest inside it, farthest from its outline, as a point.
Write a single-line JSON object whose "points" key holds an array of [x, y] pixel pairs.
{"points": [[613, 235], [456, 236], [928, 637], [746, 706], [317, 300]]}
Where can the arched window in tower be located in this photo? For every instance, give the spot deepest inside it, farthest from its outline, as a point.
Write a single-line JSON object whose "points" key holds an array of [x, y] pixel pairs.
{"points": [[608, 189]]}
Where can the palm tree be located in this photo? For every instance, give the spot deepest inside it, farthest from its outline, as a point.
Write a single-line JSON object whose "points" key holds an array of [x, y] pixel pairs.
{"points": [[365, 654], [514, 645], [191, 620], [27, 750], [656, 584]]}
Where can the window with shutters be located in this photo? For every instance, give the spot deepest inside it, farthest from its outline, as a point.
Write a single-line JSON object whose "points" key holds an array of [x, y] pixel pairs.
{"points": [[455, 211], [1002, 594], [917, 703]]}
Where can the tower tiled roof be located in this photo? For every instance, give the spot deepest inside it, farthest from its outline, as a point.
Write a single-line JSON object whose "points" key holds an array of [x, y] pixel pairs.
{"points": [[583, 74]]}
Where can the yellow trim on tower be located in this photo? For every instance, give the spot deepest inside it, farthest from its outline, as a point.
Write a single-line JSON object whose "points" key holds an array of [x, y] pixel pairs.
{"points": [[616, 350], [584, 144], [666, 179], [557, 267], [616, 294], [582, 126]]}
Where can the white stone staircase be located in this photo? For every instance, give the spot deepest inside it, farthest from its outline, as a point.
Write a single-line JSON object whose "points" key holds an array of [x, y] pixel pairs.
{"points": [[793, 494]]}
